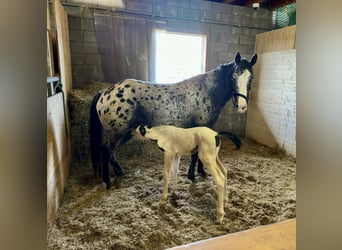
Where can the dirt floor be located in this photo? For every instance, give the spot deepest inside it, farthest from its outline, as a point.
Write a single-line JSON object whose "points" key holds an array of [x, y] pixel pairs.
{"points": [[261, 190]]}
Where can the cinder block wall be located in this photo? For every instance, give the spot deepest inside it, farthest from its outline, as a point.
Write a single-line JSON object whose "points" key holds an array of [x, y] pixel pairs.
{"points": [[230, 28], [272, 118]]}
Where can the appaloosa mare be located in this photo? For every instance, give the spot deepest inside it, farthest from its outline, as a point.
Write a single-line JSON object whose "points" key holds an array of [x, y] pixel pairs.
{"points": [[196, 101]]}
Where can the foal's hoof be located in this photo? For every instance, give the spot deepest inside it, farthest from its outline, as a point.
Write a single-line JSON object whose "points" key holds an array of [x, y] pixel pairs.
{"points": [[162, 203], [219, 221]]}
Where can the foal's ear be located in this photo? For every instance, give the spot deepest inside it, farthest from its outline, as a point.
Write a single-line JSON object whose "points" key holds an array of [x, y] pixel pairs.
{"points": [[254, 59], [238, 58]]}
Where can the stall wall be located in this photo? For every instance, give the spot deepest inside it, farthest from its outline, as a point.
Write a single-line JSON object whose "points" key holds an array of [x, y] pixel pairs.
{"points": [[271, 117], [58, 154], [58, 129]]}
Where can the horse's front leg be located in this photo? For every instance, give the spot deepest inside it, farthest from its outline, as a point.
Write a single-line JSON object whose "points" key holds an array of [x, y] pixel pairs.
{"points": [[200, 169], [191, 171], [118, 171], [168, 159]]}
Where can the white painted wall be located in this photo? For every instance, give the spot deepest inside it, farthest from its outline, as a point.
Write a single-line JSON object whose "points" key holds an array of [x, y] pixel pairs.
{"points": [[271, 117]]}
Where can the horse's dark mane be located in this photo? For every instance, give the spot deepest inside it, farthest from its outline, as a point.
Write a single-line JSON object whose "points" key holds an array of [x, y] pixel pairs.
{"points": [[224, 84]]}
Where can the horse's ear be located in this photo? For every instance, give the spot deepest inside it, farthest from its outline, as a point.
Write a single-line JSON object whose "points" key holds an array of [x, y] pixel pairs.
{"points": [[254, 59], [238, 58]]}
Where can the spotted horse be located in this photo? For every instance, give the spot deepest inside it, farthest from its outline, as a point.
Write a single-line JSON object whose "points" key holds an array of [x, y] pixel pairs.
{"points": [[196, 101]]}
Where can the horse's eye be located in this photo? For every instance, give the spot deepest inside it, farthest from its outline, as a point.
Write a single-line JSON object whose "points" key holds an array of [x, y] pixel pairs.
{"points": [[235, 75]]}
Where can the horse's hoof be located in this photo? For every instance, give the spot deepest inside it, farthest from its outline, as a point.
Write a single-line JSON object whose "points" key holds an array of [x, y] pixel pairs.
{"points": [[108, 185], [118, 182], [203, 175]]}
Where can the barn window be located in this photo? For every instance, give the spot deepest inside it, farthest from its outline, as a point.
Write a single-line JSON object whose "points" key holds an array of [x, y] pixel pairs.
{"points": [[178, 55]]}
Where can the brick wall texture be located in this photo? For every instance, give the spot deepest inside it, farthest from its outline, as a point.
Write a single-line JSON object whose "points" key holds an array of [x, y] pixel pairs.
{"points": [[274, 100], [230, 29]]}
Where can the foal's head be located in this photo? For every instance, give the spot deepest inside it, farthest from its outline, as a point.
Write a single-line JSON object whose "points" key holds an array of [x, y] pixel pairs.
{"points": [[242, 79]]}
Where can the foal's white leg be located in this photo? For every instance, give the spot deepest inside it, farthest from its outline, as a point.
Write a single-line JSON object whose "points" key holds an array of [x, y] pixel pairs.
{"points": [[168, 159], [224, 172], [219, 181], [174, 170]]}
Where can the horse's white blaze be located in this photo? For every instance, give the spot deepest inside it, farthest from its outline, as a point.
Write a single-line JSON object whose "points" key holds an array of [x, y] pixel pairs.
{"points": [[242, 83]]}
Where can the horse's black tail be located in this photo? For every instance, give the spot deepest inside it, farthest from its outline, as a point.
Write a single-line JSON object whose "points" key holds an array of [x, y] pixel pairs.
{"points": [[95, 136], [235, 139]]}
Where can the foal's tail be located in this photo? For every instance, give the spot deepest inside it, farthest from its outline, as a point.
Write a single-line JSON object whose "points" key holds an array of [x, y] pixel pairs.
{"points": [[95, 136], [234, 138]]}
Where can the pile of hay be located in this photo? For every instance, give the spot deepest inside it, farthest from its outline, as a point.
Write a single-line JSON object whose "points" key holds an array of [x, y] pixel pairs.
{"points": [[79, 106]]}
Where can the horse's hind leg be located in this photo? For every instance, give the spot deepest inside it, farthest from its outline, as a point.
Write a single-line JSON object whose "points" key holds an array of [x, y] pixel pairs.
{"points": [[105, 170]]}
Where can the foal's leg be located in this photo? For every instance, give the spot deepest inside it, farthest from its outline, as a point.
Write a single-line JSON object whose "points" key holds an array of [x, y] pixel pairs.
{"points": [[174, 170], [210, 162], [224, 172], [168, 159]]}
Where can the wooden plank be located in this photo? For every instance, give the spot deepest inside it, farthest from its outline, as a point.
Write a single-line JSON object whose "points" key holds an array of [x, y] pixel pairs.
{"points": [[50, 56], [58, 154], [61, 20], [276, 40], [48, 24], [280, 235]]}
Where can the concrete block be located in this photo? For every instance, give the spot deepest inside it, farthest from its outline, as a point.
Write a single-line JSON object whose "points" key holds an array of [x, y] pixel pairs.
{"points": [[227, 18], [224, 56], [240, 31], [266, 23], [214, 46], [222, 8], [89, 36], [76, 35], [200, 4], [178, 3], [77, 59], [139, 6], [189, 13], [213, 56], [88, 24], [199, 26], [74, 22], [220, 28], [211, 16], [232, 39], [247, 39], [242, 11], [159, 2], [90, 48], [76, 47], [79, 12], [177, 24], [92, 59], [215, 36], [250, 22], [163, 10]]}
